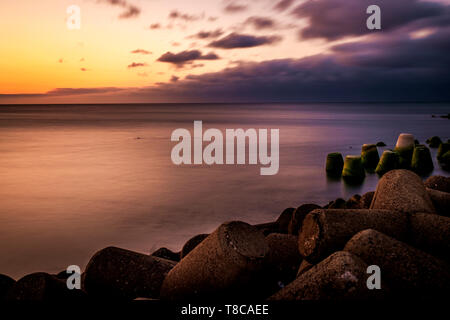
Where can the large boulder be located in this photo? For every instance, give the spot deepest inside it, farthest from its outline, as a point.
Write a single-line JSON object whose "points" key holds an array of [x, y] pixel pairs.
{"points": [[409, 271], [402, 190], [440, 183], [441, 201], [115, 273], [298, 216], [284, 219], [43, 287], [192, 243], [166, 254], [226, 264], [6, 284]]}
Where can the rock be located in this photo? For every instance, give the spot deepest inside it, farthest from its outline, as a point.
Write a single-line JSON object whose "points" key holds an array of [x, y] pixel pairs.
{"points": [[441, 201], [430, 233], [402, 190], [192, 243], [353, 171], [369, 157], [225, 265], [304, 266], [114, 273], [389, 161], [283, 259], [298, 216], [267, 228], [166, 254], [381, 144], [445, 161], [366, 199], [443, 149], [416, 142], [341, 276], [6, 284], [284, 219], [334, 164], [43, 287], [325, 231], [405, 149], [63, 275], [354, 202], [409, 271], [440, 183], [434, 142], [339, 203], [421, 162]]}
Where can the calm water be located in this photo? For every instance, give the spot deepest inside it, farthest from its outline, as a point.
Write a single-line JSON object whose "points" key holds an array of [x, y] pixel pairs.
{"points": [[74, 179]]}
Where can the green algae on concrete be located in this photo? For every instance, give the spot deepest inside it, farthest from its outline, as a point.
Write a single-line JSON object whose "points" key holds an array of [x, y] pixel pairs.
{"points": [[405, 148], [443, 148], [353, 171], [334, 164], [434, 142], [389, 161], [369, 157], [422, 162]]}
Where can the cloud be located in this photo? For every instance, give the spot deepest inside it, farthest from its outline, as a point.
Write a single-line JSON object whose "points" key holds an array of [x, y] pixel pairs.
{"points": [[236, 40], [175, 14], [83, 69], [207, 34], [235, 8], [283, 5], [136, 65], [186, 57], [154, 26], [81, 91], [131, 11], [141, 51], [260, 23], [335, 19], [174, 79]]}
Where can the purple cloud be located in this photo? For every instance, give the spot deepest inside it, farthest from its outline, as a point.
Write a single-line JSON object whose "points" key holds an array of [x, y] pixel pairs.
{"points": [[136, 65], [208, 34], [131, 11], [141, 51], [186, 57], [283, 5], [235, 40], [260, 23], [235, 8]]}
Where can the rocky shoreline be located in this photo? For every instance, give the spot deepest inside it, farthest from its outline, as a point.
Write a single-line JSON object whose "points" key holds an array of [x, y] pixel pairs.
{"points": [[308, 253]]}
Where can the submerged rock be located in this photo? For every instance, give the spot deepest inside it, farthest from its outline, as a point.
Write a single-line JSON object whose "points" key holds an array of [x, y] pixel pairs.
{"points": [[443, 148], [334, 164], [434, 142], [369, 157], [422, 163], [445, 161], [353, 171], [389, 161]]}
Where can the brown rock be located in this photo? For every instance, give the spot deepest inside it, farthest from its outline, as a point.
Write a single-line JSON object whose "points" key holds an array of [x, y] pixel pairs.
{"points": [[354, 202], [304, 266], [267, 228], [440, 183], [167, 254], [366, 199], [339, 203], [192, 243], [402, 190], [122, 274], [325, 231], [224, 265], [441, 201], [298, 216], [409, 271], [341, 276], [284, 219], [6, 284], [43, 287]]}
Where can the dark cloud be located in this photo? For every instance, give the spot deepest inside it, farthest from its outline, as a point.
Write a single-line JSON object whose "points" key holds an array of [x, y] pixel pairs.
{"points": [[235, 40], [136, 65], [283, 5], [260, 23], [155, 26], [174, 79], [141, 51], [235, 8], [186, 57], [334, 19], [131, 11], [175, 14], [208, 34]]}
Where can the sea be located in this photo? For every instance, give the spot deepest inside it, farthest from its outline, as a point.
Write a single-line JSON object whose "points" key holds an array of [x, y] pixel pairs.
{"points": [[77, 178]]}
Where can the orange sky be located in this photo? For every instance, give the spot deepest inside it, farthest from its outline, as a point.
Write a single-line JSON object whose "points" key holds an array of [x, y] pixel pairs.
{"points": [[39, 52]]}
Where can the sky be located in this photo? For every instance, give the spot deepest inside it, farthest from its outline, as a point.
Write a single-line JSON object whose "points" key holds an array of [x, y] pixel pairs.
{"points": [[148, 51]]}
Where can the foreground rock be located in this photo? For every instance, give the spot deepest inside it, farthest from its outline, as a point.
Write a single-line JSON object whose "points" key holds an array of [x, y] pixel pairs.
{"points": [[192, 243], [298, 216], [6, 284], [441, 201], [409, 271], [440, 183], [122, 274], [402, 190], [341, 276], [224, 265], [43, 287], [166, 254], [325, 231]]}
